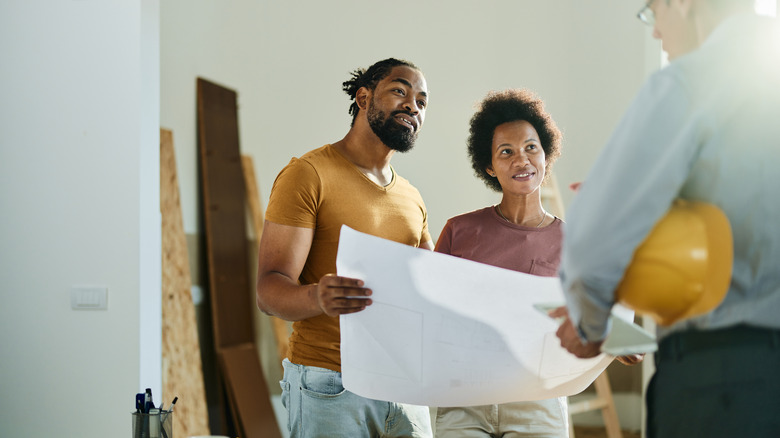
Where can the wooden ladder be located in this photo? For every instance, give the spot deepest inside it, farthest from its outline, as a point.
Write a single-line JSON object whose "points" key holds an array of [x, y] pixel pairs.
{"points": [[552, 202], [603, 401]]}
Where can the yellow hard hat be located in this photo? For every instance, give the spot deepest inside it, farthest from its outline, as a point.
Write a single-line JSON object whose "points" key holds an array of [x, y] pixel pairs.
{"points": [[683, 268]]}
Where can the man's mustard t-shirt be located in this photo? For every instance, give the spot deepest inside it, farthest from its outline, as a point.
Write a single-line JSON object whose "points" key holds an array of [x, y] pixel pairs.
{"points": [[323, 190]]}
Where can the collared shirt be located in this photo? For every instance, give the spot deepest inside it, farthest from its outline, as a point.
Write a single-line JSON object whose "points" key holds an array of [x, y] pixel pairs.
{"points": [[706, 128]]}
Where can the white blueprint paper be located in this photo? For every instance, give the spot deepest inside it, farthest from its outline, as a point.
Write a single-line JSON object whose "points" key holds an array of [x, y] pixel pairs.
{"points": [[444, 331]]}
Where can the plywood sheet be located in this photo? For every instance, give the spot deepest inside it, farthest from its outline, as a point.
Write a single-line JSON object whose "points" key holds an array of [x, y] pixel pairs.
{"points": [[281, 327], [182, 372]]}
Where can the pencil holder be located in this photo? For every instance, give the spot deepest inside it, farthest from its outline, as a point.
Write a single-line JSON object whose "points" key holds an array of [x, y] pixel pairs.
{"points": [[153, 425]]}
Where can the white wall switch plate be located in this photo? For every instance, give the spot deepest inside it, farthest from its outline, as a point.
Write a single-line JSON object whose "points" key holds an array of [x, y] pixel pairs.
{"points": [[89, 297]]}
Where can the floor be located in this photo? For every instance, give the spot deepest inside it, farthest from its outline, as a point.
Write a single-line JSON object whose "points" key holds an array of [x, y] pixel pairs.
{"points": [[600, 432]]}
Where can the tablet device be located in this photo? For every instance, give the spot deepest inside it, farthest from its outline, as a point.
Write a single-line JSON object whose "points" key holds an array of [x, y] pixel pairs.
{"points": [[624, 338], [627, 338]]}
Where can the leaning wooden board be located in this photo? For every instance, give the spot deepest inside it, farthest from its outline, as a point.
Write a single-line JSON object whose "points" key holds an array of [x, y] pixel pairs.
{"points": [[281, 327], [182, 373], [227, 256]]}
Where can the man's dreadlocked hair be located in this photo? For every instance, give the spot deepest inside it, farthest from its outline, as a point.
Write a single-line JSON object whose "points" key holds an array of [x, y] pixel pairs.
{"points": [[369, 78]]}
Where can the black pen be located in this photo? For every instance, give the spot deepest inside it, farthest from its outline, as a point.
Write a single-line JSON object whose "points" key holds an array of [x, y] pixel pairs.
{"points": [[139, 418], [149, 403], [139, 402], [168, 412]]}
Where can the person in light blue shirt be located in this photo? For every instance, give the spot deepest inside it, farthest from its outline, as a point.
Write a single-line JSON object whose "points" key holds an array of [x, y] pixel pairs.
{"points": [[704, 128]]}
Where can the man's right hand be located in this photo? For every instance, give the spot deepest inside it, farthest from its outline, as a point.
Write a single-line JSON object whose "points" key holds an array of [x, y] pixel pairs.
{"points": [[281, 257], [341, 295]]}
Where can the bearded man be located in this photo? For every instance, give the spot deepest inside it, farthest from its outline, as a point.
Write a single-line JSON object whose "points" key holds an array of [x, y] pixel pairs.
{"points": [[349, 182]]}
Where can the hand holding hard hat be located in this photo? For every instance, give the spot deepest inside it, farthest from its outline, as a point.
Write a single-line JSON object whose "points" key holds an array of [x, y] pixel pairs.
{"points": [[683, 268]]}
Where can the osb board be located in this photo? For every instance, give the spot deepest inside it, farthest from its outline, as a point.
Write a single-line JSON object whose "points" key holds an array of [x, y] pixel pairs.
{"points": [[224, 214], [281, 327], [182, 373], [255, 414]]}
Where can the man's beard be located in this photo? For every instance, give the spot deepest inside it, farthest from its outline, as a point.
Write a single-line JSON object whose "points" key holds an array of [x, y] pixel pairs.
{"points": [[392, 134]]}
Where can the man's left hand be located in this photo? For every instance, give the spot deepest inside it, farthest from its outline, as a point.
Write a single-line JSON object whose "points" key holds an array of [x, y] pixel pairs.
{"points": [[571, 341]]}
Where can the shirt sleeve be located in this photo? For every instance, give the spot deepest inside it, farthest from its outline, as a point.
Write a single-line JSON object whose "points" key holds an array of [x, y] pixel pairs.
{"points": [[444, 243], [630, 187], [295, 195], [425, 236]]}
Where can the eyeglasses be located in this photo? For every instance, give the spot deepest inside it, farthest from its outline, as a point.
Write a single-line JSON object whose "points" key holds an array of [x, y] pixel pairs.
{"points": [[646, 14]]}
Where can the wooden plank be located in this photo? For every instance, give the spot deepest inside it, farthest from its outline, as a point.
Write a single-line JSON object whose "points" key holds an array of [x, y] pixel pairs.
{"points": [[604, 402], [608, 413], [224, 197], [182, 374], [225, 218], [245, 381], [281, 327], [252, 195]]}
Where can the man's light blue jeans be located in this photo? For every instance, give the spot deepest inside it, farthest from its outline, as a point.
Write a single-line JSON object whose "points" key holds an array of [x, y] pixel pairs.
{"points": [[318, 406]]}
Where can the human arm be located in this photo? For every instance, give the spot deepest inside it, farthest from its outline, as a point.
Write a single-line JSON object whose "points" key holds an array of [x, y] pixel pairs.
{"points": [[634, 181], [570, 340], [282, 255], [444, 242]]}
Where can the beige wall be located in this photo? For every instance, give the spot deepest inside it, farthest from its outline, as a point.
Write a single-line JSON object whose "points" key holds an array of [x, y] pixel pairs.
{"points": [[287, 61]]}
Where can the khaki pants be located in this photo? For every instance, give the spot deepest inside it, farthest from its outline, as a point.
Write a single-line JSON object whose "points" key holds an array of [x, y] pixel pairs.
{"points": [[539, 419]]}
